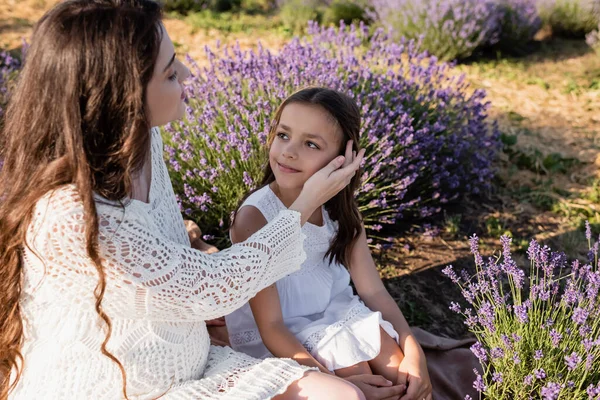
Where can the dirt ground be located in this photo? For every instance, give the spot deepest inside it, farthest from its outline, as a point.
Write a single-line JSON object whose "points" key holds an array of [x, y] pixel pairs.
{"points": [[549, 101]]}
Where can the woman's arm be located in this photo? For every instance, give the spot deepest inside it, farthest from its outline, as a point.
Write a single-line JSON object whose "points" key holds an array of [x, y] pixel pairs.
{"points": [[151, 277], [266, 306]]}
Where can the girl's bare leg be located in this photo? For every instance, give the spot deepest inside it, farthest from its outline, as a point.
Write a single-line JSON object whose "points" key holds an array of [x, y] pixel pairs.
{"points": [[319, 386], [389, 358], [356, 369]]}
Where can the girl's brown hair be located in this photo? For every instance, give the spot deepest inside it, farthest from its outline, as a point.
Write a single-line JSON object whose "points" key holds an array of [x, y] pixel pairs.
{"points": [[77, 116], [342, 207]]}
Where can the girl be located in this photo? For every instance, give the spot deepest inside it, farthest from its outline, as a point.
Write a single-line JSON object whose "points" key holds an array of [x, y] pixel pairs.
{"points": [[312, 315], [101, 295]]}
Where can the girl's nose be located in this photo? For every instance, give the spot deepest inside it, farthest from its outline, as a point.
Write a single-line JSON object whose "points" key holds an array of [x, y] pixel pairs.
{"points": [[289, 151]]}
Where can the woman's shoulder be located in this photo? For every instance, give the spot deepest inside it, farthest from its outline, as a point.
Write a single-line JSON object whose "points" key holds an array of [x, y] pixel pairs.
{"points": [[61, 202], [65, 204]]}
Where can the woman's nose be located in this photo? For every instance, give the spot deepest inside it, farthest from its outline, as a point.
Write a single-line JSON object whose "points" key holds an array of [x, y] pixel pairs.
{"points": [[185, 73]]}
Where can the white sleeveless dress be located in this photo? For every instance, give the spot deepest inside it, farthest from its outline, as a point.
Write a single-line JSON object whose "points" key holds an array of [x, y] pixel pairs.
{"points": [[317, 302], [158, 293]]}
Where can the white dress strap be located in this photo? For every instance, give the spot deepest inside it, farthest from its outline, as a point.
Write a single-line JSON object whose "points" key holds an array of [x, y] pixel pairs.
{"points": [[266, 202]]}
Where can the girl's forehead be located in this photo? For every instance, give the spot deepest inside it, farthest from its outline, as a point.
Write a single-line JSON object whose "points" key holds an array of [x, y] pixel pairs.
{"points": [[310, 119]]}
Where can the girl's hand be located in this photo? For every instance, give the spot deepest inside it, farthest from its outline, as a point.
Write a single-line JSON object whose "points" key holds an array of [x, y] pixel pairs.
{"points": [[216, 322], [327, 182], [412, 371], [195, 235], [217, 332], [376, 387]]}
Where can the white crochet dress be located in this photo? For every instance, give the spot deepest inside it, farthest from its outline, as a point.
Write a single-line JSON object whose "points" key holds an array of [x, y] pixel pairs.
{"points": [[159, 292], [317, 302]]}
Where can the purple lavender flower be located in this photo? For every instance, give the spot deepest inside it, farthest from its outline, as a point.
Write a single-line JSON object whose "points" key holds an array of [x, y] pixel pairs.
{"points": [[497, 353], [539, 354], [589, 360], [455, 307], [551, 391], [592, 391], [555, 337], [572, 361], [497, 377], [486, 316], [539, 373], [474, 242], [528, 380], [479, 352], [478, 384], [449, 272], [521, 313], [580, 315]]}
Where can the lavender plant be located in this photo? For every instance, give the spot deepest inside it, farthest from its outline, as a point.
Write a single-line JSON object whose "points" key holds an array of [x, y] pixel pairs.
{"points": [[538, 333], [519, 22], [449, 29], [570, 18], [9, 67], [427, 136], [593, 39]]}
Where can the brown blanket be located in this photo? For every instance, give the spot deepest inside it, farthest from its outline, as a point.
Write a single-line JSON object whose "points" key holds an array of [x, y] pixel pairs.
{"points": [[450, 363]]}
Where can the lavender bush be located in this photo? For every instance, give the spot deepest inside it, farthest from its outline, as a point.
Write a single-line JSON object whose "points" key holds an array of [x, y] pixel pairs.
{"points": [[570, 18], [593, 39], [9, 67], [519, 22], [454, 29], [428, 140], [538, 335], [449, 29]]}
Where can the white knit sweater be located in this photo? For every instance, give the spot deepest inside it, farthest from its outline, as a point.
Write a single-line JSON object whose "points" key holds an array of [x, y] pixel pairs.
{"points": [[159, 292]]}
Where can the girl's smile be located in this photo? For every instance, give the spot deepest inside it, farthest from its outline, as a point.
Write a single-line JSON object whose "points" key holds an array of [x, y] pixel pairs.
{"points": [[306, 139], [287, 169]]}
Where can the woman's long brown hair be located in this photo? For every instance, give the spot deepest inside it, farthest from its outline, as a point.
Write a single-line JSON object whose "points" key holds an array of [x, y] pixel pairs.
{"points": [[342, 207], [77, 116]]}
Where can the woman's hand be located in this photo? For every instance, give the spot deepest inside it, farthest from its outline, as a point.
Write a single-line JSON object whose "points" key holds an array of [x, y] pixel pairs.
{"points": [[376, 387], [412, 371], [327, 182], [195, 235]]}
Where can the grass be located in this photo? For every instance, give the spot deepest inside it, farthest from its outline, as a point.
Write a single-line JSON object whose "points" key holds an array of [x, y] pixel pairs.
{"points": [[231, 22]]}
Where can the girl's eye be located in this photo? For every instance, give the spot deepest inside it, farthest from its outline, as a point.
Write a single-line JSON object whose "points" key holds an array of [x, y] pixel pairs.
{"points": [[173, 76], [281, 135], [312, 145]]}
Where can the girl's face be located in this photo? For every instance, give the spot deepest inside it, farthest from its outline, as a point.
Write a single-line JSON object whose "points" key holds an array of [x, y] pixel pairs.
{"points": [[307, 138], [164, 94]]}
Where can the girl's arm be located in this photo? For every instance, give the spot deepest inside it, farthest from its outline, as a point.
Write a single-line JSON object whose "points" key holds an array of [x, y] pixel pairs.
{"points": [[266, 306], [371, 290], [266, 309]]}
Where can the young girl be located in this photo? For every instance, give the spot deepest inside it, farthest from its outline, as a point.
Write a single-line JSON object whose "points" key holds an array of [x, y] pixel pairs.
{"points": [[312, 315], [101, 295]]}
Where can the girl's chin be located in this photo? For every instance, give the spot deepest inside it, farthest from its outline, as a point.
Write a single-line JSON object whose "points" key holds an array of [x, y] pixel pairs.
{"points": [[289, 186]]}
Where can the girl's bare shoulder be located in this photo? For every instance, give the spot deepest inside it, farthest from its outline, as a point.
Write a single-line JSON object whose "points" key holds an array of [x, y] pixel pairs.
{"points": [[248, 221]]}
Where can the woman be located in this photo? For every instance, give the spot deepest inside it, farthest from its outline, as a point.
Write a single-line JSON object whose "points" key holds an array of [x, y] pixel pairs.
{"points": [[101, 295]]}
